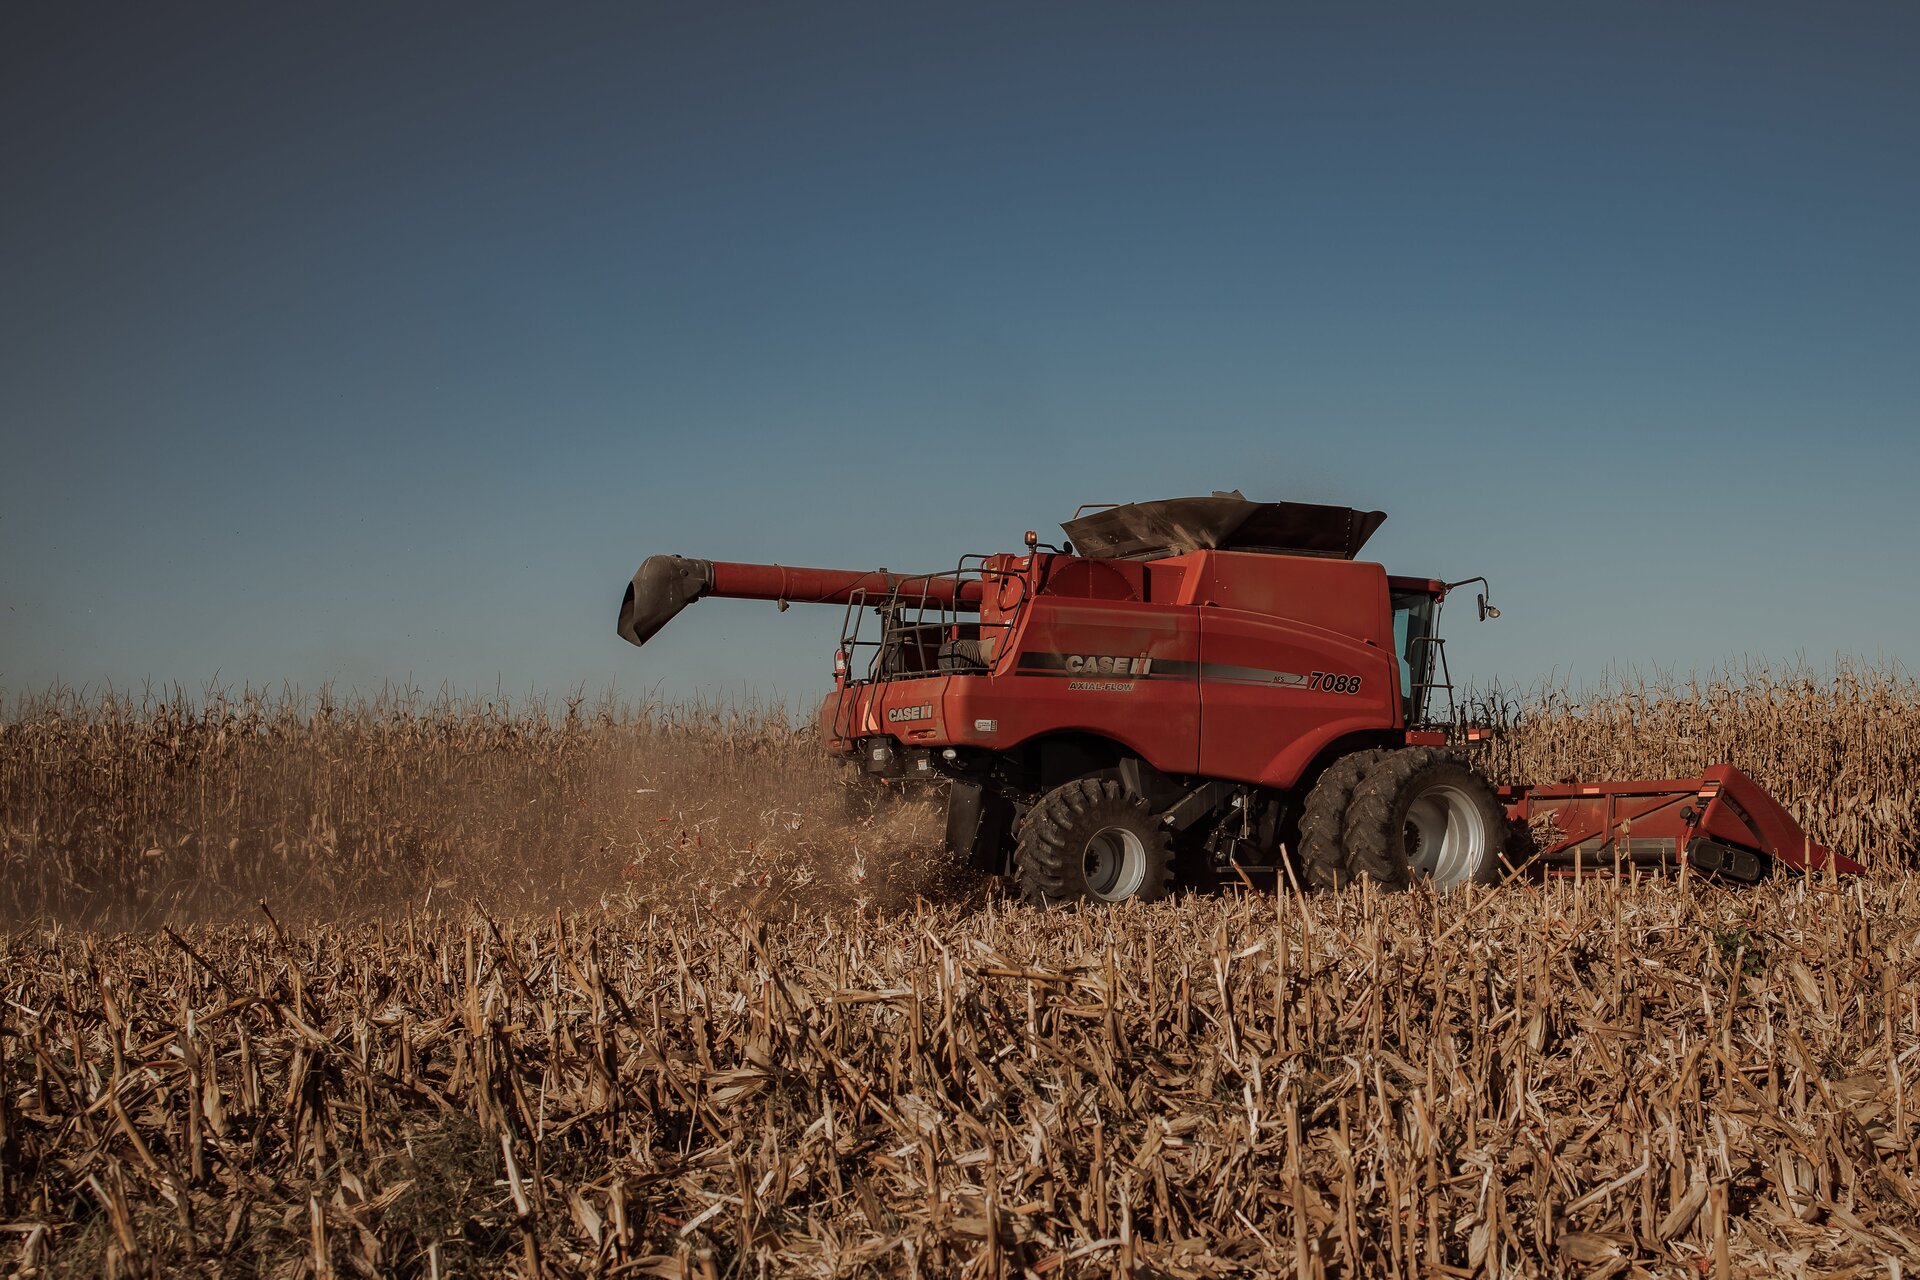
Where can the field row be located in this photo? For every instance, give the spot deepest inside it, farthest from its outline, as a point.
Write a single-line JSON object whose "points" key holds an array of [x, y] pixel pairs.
{"points": [[1516, 1081]]}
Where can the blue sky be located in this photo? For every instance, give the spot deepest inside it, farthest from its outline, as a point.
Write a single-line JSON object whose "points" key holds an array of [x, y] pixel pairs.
{"points": [[360, 343]]}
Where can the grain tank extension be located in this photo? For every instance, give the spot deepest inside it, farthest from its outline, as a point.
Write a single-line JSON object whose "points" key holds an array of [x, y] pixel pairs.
{"points": [[1207, 688]]}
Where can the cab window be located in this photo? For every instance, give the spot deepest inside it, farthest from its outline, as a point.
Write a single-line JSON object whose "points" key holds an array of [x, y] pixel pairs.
{"points": [[1412, 628]]}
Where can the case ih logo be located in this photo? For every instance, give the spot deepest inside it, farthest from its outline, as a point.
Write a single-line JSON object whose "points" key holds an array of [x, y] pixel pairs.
{"points": [[900, 715], [1090, 664]]}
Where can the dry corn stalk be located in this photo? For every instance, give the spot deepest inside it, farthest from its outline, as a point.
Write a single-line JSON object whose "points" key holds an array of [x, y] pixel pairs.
{"points": [[701, 1026]]}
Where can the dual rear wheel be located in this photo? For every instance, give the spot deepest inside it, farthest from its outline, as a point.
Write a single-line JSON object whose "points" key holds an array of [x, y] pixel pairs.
{"points": [[1394, 816], [1400, 816]]}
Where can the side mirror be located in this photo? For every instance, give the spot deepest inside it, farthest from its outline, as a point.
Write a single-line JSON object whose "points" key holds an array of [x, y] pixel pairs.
{"points": [[1486, 609]]}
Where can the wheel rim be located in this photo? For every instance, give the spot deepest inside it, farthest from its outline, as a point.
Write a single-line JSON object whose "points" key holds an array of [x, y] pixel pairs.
{"points": [[1447, 836], [1115, 863]]}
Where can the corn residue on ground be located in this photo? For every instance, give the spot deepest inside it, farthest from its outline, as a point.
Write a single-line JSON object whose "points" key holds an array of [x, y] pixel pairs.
{"points": [[1512, 1082], [297, 988]]}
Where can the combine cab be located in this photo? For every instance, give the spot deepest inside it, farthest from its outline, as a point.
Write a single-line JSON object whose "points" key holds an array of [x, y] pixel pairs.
{"points": [[1204, 688]]}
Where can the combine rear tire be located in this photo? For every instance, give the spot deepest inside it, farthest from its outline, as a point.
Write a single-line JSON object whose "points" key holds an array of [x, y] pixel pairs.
{"points": [[1323, 840], [1424, 812], [1092, 838]]}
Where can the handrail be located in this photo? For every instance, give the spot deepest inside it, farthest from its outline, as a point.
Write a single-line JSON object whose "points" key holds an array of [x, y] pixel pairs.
{"points": [[1421, 691], [919, 620]]}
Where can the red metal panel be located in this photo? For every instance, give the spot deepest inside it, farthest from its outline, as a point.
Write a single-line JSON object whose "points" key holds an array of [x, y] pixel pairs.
{"points": [[1123, 670], [1747, 803], [1295, 653], [1070, 576], [1346, 597]]}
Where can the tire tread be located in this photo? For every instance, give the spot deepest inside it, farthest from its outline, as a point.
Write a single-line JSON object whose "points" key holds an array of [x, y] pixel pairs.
{"points": [[1047, 867], [1323, 845], [1373, 833]]}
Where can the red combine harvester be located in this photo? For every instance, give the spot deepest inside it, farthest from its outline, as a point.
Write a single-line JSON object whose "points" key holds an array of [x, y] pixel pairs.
{"points": [[1187, 690]]}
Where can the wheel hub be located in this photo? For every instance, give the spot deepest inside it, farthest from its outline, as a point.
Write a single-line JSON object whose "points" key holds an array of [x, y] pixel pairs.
{"points": [[1115, 863], [1446, 837]]}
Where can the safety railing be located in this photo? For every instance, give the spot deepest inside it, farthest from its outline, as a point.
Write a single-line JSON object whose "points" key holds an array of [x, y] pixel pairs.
{"points": [[921, 628], [1427, 657]]}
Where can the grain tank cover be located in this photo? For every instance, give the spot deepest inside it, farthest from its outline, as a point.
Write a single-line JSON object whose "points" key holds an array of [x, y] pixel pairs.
{"points": [[1223, 522]]}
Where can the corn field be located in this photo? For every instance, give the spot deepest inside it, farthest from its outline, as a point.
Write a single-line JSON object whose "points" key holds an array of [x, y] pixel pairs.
{"points": [[123, 814], [434, 988]]}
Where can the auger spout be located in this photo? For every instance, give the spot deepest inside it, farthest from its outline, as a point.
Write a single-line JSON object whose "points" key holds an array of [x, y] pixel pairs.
{"points": [[665, 585]]}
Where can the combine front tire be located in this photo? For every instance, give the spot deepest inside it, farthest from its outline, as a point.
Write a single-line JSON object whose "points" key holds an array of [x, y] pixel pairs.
{"points": [[1092, 838], [1323, 839], [1424, 812]]}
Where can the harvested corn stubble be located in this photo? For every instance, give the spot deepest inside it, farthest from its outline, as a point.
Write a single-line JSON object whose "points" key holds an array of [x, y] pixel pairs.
{"points": [[590, 990], [1524, 1081]]}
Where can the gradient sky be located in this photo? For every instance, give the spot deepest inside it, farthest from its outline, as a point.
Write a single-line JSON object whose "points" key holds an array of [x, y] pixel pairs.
{"points": [[360, 343]]}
